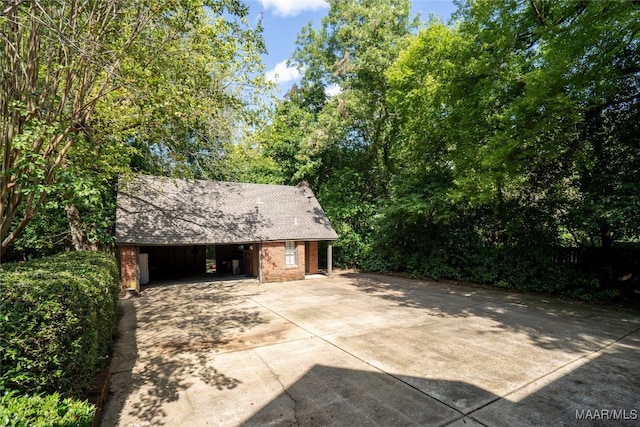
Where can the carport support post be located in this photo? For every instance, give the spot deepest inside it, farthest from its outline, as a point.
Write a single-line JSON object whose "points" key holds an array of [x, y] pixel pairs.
{"points": [[260, 275], [329, 258]]}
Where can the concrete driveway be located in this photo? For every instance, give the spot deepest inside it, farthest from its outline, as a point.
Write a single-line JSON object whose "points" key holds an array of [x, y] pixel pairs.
{"points": [[361, 350]]}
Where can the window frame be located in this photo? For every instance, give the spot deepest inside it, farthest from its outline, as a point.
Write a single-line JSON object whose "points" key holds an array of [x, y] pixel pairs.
{"points": [[290, 253]]}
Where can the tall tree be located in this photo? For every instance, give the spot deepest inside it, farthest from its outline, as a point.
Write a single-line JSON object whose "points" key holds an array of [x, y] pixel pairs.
{"points": [[176, 114], [56, 64], [334, 129], [357, 42], [89, 74], [517, 126]]}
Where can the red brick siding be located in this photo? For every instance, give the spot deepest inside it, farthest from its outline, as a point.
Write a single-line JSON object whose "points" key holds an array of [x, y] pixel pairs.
{"points": [[311, 253], [129, 267], [273, 264]]}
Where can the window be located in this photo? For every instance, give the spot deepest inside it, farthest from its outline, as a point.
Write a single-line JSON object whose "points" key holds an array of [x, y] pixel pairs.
{"points": [[290, 254]]}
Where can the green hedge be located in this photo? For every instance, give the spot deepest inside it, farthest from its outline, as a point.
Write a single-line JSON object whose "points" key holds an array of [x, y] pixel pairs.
{"points": [[44, 411], [57, 322], [524, 269]]}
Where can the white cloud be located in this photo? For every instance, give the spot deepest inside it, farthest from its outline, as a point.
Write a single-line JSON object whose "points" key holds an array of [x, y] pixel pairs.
{"points": [[333, 90], [293, 7], [282, 73]]}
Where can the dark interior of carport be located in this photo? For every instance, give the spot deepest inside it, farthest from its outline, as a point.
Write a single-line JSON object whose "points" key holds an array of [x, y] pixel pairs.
{"points": [[168, 262]]}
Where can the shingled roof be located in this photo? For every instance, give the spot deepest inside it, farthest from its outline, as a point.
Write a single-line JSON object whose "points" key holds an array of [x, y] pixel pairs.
{"points": [[164, 211]]}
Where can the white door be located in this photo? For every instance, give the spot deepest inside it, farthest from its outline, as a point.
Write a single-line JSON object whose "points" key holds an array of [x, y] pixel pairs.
{"points": [[143, 265]]}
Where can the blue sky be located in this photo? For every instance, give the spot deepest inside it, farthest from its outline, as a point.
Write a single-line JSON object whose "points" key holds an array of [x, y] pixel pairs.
{"points": [[283, 19]]}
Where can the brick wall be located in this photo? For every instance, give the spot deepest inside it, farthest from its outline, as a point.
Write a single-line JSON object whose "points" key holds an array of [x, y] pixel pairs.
{"points": [[129, 267], [311, 254], [274, 268]]}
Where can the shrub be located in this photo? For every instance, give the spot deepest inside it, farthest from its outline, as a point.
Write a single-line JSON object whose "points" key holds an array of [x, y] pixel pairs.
{"points": [[527, 266], [57, 321], [44, 411]]}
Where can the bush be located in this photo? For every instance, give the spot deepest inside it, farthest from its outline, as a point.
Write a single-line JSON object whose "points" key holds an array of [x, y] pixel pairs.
{"points": [[44, 411], [57, 321], [519, 268]]}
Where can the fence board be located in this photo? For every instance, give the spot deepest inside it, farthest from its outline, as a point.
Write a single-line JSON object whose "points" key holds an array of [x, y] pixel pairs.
{"points": [[618, 260]]}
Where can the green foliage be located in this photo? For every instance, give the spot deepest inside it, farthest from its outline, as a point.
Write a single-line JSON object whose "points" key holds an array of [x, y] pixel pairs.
{"points": [[86, 96], [44, 411], [516, 128], [340, 144], [469, 151], [357, 42], [178, 113], [58, 319], [47, 234]]}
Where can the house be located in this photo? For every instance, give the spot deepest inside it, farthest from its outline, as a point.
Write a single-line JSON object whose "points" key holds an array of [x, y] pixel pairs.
{"points": [[167, 226]]}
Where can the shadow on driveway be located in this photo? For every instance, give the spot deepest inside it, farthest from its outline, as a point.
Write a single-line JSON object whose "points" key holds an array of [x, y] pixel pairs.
{"points": [[165, 336], [327, 395], [548, 323], [360, 349]]}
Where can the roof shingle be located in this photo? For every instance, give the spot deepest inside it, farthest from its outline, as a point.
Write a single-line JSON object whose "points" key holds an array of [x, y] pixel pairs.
{"points": [[165, 211]]}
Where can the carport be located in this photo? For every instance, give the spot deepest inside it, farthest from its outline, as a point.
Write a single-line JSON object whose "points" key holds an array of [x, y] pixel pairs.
{"points": [[165, 226], [166, 262]]}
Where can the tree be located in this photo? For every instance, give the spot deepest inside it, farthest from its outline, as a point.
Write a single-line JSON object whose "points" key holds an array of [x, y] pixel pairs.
{"points": [[517, 127], [89, 74], [55, 67], [181, 108], [177, 114], [356, 44], [334, 130]]}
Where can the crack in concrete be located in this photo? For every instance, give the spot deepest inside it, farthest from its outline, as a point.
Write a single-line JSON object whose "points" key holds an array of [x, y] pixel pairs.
{"points": [[558, 369], [468, 414], [322, 338], [284, 390], [295, 403]]}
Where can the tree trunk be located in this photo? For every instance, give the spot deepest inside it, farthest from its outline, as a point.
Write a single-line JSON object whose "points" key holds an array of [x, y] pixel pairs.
{"points": [[78, 234]]}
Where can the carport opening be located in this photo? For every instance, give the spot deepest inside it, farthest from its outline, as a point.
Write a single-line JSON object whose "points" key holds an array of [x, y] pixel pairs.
{"points": [[210, 264], [172, 262], [322, 255], [176, 262], [236, 260]]}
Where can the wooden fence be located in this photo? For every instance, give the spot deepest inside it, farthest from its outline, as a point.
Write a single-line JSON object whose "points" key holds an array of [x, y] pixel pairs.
{"points": [[617, 260]]}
